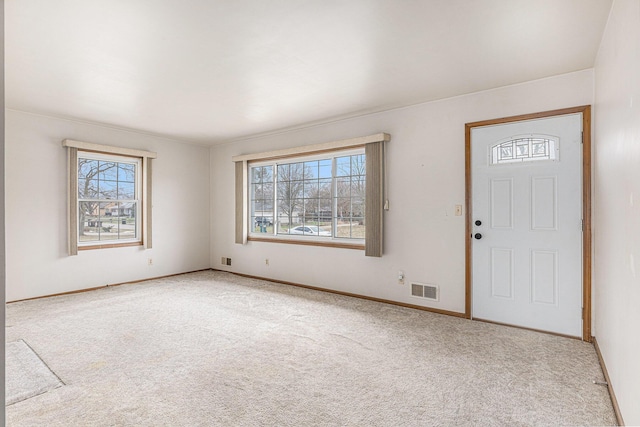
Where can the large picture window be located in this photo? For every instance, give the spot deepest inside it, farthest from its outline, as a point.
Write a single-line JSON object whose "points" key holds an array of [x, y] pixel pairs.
{"points": [[319, 197], [329, 194]]}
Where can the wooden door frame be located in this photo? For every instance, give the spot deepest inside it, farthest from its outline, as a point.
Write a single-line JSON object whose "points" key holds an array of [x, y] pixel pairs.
{"points": [[586, 205]]}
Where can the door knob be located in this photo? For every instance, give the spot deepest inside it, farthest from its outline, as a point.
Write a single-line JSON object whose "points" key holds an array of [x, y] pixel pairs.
{"points": [[478, 222], [478, 236]]}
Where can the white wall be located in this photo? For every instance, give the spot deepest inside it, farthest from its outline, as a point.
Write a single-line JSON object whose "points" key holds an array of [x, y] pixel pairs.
{"points": [[425, 181], [2, 211], [36, 200], [617, 204]]}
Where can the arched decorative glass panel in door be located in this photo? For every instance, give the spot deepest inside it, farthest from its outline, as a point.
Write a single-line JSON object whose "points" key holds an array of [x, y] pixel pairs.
{"points": [[524, 149]]}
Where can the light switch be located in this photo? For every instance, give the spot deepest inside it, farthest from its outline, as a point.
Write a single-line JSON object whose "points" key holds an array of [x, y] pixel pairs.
{"points": [[458, 210]]}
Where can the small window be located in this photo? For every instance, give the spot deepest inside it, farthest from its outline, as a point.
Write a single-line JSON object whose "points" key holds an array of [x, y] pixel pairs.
{"points": [[109, 196], [524, 149], [109, 205], [322, 198]]}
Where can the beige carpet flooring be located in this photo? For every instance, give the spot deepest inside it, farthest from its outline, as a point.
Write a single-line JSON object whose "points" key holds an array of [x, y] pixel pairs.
{"points": [[27, 375], [214, 349]]}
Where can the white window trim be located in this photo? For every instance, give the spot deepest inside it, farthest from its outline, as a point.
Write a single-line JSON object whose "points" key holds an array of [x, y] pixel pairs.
{"points": [[355, 242], [145, 197], [138, 196], [376, 193]]}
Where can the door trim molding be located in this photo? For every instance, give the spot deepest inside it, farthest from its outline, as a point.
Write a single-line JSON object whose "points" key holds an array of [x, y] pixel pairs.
{"points": [[586, 204]]}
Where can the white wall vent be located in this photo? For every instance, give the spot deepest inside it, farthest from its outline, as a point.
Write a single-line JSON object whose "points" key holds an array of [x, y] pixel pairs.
{"points": [[421, 290]]}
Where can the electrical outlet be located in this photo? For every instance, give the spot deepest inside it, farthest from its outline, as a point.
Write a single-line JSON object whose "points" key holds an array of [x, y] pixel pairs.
{"points": [[150, 261], [400, 277], [266, 261], [228, 261], [458, 210]]}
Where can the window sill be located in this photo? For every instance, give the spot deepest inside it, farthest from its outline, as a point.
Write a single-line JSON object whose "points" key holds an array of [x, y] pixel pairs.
{"points": [[329, 244], [108, 245]]}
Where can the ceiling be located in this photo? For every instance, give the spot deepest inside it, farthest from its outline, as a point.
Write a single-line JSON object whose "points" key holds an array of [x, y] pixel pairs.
{"points": [[212, 71]]}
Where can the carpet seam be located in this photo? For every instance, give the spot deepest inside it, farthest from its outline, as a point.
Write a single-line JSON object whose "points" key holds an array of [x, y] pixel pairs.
{"points": [[43, 362]]}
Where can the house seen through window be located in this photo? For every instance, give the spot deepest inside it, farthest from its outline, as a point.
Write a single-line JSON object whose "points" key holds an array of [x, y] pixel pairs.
{"points": [[108, 198], [318, 197]]}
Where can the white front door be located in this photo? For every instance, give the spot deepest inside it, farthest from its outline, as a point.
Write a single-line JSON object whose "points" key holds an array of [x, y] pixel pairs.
{"points": [[526, 180]]}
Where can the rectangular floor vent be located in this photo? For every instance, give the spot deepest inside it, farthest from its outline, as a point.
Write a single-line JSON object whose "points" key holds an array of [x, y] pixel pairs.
{"points": [[425, 291]]}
